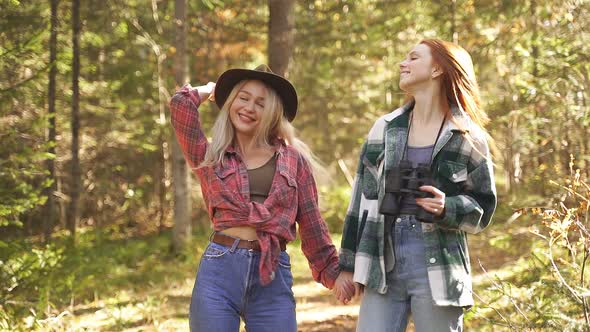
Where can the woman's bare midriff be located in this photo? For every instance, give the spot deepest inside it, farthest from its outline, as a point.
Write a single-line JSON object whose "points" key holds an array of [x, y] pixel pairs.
{"points": [[241, 232]]}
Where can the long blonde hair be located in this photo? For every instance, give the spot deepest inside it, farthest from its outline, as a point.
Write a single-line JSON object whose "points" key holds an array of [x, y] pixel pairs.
{"points": [[273, 125]]}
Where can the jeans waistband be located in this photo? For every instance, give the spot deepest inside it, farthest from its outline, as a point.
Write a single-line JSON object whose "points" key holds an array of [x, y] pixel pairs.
{"points": [[236, 243], [406, 221]]}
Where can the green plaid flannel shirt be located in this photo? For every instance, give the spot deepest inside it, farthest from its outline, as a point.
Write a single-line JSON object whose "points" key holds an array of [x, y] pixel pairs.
{"points": [[462, 169]]}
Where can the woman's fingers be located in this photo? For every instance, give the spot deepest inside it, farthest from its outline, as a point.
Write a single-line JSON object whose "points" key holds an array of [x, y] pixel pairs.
{"points": [[211, 88], [431, 205], [434, 205], [344, 288], [433, 190], [358, 289]]}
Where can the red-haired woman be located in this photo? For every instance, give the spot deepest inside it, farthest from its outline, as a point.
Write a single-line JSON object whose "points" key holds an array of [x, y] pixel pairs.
{"points": [[424, 180]]}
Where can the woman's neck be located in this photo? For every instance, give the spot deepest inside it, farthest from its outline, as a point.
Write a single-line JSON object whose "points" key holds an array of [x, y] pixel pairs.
{"points": [[248, 145], [429, 107], [245, 143], [253, 154]]}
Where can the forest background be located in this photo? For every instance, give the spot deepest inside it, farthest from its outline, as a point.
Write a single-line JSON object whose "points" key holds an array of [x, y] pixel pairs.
{"points": [[102, 224]]}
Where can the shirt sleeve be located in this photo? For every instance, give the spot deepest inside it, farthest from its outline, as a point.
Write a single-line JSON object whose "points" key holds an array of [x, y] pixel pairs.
{"points": [[472, 210], [351, 230], [184, 116], [316, 243]]}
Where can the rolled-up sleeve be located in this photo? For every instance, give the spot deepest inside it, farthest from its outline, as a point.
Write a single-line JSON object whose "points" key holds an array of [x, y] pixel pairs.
{"points": [[184, 115], [316, 243]]}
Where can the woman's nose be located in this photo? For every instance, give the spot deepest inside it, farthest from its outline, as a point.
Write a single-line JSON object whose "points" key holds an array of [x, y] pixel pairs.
{"points": [[251, 106]]}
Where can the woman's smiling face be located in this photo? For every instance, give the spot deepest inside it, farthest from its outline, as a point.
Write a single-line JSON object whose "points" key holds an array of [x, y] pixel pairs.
{"points": [[245, 112], [416, 69]]}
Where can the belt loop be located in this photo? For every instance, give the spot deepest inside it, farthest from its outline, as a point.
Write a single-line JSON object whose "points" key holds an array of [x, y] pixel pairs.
{"points": [[234, 246]]}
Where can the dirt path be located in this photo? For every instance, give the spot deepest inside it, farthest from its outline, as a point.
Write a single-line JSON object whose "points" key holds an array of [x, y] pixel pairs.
{"points": [[163, 305]]}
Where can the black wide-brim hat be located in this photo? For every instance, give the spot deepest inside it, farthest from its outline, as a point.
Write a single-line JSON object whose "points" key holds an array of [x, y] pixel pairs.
{"points": [[285, 90]]}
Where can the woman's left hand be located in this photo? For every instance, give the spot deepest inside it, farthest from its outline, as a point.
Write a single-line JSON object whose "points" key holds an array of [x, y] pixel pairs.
{"points": [[434, 205]]}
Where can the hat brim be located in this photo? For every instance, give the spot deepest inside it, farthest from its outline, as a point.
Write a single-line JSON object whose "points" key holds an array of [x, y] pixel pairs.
{"points": [[285, 90]]}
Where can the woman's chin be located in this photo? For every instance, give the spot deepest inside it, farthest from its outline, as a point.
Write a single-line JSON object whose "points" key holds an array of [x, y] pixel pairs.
{"points": [[245, 130], [404, 87]]}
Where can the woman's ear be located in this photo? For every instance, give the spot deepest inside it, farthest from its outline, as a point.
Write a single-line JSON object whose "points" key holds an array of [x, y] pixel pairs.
{"points": [[436, 72]]}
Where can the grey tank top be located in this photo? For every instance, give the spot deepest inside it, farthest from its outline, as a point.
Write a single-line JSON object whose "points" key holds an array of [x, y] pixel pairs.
{"points": [[416, 155]]}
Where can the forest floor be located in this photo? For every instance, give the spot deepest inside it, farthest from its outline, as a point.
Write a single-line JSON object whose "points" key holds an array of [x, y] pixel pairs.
{"points": [[153, 294]]}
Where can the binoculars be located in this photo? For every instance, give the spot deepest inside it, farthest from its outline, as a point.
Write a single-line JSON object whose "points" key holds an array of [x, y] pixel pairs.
{"points": [[405, 181]]}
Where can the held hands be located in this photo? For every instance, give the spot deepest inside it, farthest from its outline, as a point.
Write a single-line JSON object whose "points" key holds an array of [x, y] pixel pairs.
{"points": [[434, 205], [206, 91], [345, 289]]}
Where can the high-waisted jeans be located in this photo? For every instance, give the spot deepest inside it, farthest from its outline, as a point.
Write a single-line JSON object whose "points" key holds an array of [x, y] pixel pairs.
{"points": [[408, 291], [228, 287]]}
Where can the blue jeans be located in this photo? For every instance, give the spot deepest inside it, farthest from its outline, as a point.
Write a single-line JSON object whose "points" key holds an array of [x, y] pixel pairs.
{"points": [[228, 287], [408, 291]]}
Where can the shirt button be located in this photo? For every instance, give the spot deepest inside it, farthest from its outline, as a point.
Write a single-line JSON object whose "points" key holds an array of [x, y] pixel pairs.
{"points": [[398, 220], [272, 276], [433, 260]]}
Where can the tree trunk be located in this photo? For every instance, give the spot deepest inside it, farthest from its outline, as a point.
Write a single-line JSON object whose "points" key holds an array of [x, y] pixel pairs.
{"points": [[49, 219], [454, 33], [537, 157], [180, 174], [73, 211], [281, 35]]}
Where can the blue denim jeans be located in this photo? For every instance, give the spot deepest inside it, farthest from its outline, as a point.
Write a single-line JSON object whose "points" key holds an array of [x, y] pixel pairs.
{"points": [[227, 287], [408, 291]]}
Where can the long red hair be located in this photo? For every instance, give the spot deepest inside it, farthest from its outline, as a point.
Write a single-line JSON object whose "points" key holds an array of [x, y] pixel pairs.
{"points": [[459, 84]]}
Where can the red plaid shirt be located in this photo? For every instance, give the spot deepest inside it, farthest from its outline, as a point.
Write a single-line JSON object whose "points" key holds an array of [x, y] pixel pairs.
{"points": [[292, 197]]}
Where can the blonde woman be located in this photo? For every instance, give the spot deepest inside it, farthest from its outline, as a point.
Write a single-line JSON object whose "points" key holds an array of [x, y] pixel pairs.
{"points": [[257, 181]]}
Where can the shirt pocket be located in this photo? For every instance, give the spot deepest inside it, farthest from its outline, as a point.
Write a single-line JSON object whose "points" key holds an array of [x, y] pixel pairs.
{"points": [[223, 186], [224, 172], [452, 176], [286, 193]]}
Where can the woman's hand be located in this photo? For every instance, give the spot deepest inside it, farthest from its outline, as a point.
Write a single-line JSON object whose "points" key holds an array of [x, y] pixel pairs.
{"points": [[344, 288], [434, 205], [206, 91]]}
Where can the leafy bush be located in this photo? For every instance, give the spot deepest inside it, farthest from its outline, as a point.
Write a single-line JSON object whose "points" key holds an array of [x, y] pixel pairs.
{"points": [[333, 204], [27, 277], [548, 290], [39, 284]]}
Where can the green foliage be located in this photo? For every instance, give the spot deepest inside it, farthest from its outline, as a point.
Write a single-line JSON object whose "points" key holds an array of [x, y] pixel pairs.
{"points": [[39, 281], [531, 59], [531, 70], [27, 275], [549, 289], [333, 205], [23, 149], [22, 177]]}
